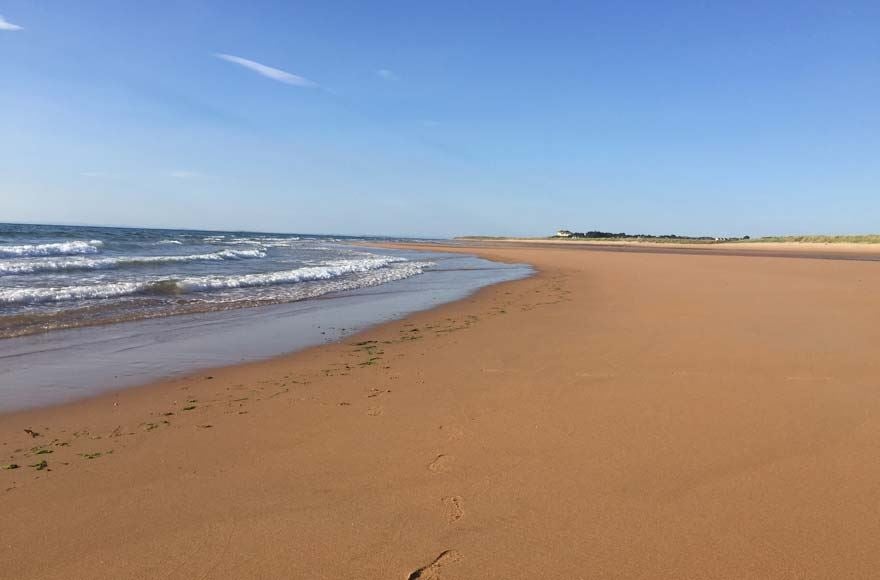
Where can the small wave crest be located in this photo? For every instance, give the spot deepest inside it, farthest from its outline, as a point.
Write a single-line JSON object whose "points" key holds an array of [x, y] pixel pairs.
{"points": [[32, 266], [163, 288], [52, 249]]}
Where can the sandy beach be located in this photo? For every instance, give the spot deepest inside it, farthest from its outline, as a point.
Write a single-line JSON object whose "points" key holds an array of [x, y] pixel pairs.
{"points": [[620, 415]]}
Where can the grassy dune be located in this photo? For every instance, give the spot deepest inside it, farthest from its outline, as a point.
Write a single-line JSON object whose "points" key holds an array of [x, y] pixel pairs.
{"points": [[858, 239]]}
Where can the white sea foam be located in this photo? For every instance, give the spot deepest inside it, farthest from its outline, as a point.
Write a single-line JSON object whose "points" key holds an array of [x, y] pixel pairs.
{"points": [[31, 266], [209, 257], [166, 242], [394, 270], [306, 274], [37, 295], [53, 249], [270, 242], [242, 242]]}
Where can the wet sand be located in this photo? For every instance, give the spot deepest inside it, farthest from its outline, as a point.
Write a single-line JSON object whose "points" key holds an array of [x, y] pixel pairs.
{"points": [[623, 414]]}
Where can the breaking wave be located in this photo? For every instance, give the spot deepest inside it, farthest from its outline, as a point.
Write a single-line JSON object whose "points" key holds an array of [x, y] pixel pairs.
{"points": [[394, 270], [53, 249]]}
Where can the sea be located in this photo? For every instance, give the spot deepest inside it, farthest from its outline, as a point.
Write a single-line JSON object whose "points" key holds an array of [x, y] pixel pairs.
{"points": [[67, 276], [87, 309]]}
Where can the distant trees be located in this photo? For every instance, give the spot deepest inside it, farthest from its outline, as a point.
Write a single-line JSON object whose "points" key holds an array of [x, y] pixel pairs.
{"points": [[595, 234]]}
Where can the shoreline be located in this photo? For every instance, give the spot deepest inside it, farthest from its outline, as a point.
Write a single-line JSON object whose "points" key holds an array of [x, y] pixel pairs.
{"points": [[137, 392], [72, 363], [643, 403]]}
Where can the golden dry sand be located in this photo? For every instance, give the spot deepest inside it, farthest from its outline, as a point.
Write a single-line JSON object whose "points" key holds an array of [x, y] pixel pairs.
{"points": [[621, 415]]}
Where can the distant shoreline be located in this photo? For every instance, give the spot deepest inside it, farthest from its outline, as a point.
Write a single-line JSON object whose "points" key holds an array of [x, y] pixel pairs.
{"points": [[794, 243], [806, 239]]}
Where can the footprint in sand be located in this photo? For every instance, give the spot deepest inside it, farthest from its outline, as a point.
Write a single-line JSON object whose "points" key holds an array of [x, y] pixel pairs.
{"points": [[454, 509], [374, 411], [433, 570], [441, 464]]}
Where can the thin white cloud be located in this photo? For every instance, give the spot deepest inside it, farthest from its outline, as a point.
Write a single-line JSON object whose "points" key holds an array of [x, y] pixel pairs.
{"points": [[387, 74], [6, 25], [184, 174], [94, 174], [269, 72]]}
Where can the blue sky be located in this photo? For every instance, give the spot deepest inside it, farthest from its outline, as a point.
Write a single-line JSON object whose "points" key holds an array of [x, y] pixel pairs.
{"points": [[445, 118]]}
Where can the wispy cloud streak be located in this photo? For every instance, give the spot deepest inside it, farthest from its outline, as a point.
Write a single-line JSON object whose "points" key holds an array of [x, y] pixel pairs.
{"points": [[6, 25], [387, 74], [267, 71], [184, 174]]}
